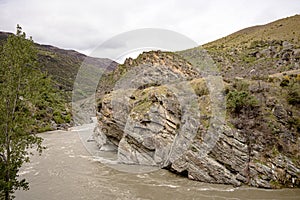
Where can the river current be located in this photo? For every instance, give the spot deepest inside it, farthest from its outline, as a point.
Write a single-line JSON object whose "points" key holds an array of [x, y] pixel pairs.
{"points": [[68, 169]]}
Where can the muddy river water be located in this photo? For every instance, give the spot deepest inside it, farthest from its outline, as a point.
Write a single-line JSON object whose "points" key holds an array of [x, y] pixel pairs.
{"points": [[68, 170]]}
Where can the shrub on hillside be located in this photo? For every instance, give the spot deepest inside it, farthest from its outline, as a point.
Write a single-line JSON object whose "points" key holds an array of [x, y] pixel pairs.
{"points": [[240, 100]]}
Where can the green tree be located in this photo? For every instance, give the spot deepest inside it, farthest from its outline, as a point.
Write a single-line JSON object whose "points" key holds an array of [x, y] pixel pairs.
{"points": [[20, 85]]}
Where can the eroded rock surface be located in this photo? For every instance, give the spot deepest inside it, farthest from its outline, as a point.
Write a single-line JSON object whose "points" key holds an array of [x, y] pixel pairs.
{"points": [[179, 123]]}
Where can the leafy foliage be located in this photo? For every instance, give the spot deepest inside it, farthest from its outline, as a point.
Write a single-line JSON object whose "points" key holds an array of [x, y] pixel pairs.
{"points": [[240, 99], [285, 82], [22, 87], [50, 106], [294, 93]]}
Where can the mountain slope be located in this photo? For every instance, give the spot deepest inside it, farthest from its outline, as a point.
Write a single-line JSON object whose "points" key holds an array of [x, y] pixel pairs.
{"points": [[63, 65], [286, 29]]}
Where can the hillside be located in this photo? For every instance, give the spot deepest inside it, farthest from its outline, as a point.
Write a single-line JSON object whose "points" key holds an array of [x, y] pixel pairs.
{"points": [[148, 109], [63, 65], [286, 29], [256, 52]]}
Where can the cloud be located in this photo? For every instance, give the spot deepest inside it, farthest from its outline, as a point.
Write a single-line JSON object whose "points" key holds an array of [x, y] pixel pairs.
{"points": [[142, 40], [82, 25]]}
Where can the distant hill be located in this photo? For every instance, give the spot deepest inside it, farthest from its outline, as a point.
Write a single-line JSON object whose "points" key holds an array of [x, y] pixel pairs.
{"points": [[63, 65]]}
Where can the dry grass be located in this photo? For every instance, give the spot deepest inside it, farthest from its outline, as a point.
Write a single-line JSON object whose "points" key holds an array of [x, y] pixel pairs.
{"points": [[287, 29]]}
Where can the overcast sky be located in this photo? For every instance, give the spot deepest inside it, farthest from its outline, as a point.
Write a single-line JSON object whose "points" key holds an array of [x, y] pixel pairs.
{"points": [[84, 24]]}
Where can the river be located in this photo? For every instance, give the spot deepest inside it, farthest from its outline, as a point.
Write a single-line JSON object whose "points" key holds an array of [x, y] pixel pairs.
{"points": [[68, 169]]}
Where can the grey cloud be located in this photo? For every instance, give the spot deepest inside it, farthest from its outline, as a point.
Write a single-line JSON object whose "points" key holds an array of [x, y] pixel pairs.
{"points": [[113, 44], [83, 25], [143, 39]]}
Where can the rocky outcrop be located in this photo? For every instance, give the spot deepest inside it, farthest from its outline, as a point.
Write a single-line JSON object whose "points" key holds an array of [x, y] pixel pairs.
{"points": [[158, 115], [148, 131], [183, 125], [261, 152]]}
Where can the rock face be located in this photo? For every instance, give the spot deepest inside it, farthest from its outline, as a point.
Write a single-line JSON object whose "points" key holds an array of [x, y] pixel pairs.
{"points": [[173, 118]]}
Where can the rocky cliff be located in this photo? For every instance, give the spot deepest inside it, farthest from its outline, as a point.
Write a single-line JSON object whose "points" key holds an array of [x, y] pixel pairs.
{"points": [[148, 125], [165, 109]]}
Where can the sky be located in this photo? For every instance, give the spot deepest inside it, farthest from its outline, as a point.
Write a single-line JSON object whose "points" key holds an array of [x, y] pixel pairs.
{"points": [[84, 24]]}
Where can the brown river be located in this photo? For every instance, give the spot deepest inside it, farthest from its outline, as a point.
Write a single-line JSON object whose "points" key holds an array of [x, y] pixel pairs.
{"points": [[67, 170]]}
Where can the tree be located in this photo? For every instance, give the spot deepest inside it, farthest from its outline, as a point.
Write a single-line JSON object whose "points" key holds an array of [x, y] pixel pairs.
{"points": [[20, 85]]}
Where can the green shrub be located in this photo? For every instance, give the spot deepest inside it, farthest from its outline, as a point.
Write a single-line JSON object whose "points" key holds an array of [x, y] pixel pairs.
{"points": [[239, 100], [285, 82], [45, 128], [68, 118], [58, 119], [258, 43], [293, 96], [241, 85]]}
